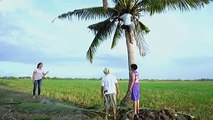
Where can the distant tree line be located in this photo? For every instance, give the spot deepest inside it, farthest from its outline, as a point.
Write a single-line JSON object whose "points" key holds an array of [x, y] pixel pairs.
{"points": [[51, 78], [58, 78]]}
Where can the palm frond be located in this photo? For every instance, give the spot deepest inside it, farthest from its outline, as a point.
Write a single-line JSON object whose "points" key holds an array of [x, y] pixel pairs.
{"points": [[117, 35], [123, 4], [140, 30], [143, 27], [88, 13], [105, 30], [97, 26], [126, 4], [158, 6]]}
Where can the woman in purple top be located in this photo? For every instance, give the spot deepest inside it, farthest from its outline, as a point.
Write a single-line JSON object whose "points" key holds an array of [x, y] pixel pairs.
{"points": [[135, 88]]}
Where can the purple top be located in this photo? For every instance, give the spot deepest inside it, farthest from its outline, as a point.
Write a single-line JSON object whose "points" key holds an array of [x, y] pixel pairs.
{"points": [[136, 76]]}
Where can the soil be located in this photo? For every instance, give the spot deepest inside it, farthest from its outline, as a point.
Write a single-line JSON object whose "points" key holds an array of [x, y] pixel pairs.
{"points": [[16, 105], [149, 114]]}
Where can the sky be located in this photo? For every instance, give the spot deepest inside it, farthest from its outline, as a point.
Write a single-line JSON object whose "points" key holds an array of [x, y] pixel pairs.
{"points": [[179, 43]]}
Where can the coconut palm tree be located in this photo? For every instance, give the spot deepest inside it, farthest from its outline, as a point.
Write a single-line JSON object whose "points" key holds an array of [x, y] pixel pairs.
{"points": [[111, 26]]}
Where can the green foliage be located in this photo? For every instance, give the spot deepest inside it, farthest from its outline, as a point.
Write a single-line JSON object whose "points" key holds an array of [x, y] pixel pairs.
{"points": [[87, 13], [194, 97], [106, 28], [159, 6], [102, 30], [117, 36], [46, 118]]}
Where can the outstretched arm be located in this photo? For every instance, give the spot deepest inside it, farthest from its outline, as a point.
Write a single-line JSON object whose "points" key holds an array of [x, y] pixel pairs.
{"points": [[45, 73]]}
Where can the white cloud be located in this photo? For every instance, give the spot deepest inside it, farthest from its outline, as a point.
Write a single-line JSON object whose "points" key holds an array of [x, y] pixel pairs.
{"points": [[13, 5]]}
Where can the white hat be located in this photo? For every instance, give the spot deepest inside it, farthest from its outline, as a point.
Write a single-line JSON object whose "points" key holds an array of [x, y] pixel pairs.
{"points": [[106, 71]]}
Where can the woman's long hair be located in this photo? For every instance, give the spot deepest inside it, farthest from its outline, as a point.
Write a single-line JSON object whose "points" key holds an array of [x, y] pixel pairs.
{"points": [[39, 64]]}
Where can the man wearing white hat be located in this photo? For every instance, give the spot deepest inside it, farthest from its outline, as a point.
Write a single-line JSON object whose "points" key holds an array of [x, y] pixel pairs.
{"points": [[109, 89]]}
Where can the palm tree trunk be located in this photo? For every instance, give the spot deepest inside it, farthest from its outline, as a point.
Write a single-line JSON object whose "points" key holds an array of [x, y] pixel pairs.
{"points": [[126, 101], [105, 5]]}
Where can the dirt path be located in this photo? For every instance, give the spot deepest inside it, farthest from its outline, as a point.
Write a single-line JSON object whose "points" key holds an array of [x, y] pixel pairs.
{"points": [[16, 105]]}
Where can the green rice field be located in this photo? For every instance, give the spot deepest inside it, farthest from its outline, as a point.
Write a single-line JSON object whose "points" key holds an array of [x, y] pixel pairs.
{"points": [[189, 97]]}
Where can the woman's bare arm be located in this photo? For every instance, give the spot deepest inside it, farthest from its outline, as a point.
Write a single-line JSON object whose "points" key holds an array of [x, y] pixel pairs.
{"points": [[133, 80]]}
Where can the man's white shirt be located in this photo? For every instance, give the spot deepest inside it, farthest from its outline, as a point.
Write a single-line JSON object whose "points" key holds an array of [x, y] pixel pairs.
{"points": [[108, 82]]}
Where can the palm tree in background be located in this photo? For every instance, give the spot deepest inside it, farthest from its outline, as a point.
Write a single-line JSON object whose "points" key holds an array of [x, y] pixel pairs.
{"points": [[111, 26]]}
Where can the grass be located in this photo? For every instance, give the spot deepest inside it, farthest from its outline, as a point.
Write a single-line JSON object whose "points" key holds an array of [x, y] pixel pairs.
{"points": [[193, 97], [15, 104]]}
